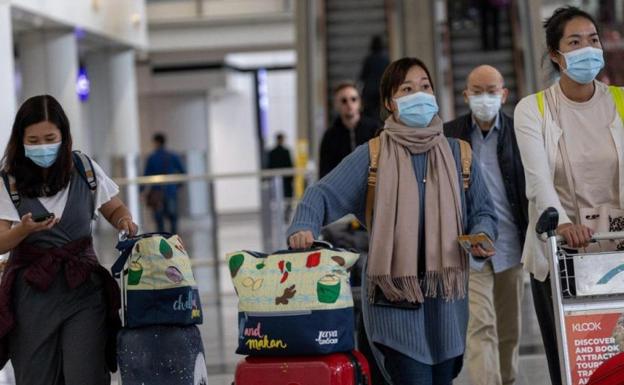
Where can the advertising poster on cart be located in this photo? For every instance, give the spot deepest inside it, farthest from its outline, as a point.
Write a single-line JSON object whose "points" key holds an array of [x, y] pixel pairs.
{"points": [[593, 338]]}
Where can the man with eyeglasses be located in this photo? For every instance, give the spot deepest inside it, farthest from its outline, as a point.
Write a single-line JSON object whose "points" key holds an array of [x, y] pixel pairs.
{"points": [[496, 285], [349, 130]]}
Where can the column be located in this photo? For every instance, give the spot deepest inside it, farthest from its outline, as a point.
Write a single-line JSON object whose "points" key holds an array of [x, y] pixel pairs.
{"points": [[49, 64], [7, 76], [311, 88], [114, 116]]}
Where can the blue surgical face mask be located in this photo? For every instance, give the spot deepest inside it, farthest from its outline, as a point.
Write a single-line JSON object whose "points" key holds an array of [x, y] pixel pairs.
{"points": [[43, 155], [417, 110], [583, 64]]}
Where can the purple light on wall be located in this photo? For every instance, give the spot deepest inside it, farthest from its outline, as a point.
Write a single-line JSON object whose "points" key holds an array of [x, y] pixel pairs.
{"points": [[263, 101], [82, 85]]}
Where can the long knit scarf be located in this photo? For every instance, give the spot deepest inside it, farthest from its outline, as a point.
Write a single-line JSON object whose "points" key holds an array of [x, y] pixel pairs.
{"points": [[395, 238]]}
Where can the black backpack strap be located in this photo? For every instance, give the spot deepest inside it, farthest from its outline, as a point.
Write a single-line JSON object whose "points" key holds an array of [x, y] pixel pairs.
{"points": [[85, 169], [11, 187]]}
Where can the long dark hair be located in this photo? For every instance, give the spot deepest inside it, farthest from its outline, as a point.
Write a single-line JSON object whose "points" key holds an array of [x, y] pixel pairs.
{"points": [[29, 177], [555, 25], [394, 76]]}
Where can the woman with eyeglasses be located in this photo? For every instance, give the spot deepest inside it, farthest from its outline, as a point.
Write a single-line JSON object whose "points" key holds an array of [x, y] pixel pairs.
{"points": [[349, 130], [571, 140], [416, 310]]}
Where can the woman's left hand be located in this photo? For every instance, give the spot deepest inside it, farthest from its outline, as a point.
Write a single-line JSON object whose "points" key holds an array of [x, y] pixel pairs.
{"points": [[479, 252], [128, 226]]}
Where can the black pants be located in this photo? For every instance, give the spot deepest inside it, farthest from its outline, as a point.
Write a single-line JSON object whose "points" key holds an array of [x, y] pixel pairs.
{"points": [[59, 336], [543, 302]]}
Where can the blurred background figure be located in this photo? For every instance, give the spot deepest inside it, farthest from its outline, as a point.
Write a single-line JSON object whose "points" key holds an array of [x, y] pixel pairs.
{"points": [[349, 130], [490, 21], [496, 286], [163, 199], [279, 157], [373, 67]]}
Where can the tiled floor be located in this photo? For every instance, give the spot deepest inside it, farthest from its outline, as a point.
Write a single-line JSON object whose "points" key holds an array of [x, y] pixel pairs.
{"points": [[219, 330]]}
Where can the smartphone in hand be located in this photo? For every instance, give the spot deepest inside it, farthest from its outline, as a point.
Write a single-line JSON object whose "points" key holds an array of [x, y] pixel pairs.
{"points": [[42, 217], [467, 241]]}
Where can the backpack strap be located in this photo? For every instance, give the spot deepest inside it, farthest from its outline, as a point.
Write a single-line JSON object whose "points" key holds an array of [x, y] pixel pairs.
{"points": [[618, 99], [540, 102], [11, 187], [466, 161], [85, 169], [616, 93], [373, 152]]}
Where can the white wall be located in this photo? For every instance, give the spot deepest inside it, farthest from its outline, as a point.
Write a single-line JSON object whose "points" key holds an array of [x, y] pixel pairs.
{"points": [[7, 77], [234, 144], [282, 108], [122, 20], [181, 117], [176, 9]]}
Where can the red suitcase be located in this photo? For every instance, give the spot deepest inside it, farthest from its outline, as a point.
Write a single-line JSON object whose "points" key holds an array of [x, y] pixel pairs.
{"points": [[332, 369]]}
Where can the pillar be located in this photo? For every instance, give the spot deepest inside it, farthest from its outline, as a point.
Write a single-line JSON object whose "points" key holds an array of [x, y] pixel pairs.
{"points": [[7, 76], [114, 116], [49, 64]]}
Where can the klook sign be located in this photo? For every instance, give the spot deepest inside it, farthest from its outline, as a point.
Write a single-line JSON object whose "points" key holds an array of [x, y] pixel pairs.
{"points": [[592, 339]]}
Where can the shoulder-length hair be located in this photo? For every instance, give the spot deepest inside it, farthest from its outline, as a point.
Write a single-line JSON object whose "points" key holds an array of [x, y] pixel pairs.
{"points": [[394, 76], [29, 177]]}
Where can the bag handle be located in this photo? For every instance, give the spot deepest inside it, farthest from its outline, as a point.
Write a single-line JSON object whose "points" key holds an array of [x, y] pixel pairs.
{"points": [[316, 245], [125, 246]]}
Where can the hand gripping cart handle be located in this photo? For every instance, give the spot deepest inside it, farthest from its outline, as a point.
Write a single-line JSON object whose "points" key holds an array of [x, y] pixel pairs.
{"points": [[588, 301]]}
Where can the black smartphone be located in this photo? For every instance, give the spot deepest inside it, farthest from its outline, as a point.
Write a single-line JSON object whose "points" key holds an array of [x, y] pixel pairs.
{"points": [[42, 217]]}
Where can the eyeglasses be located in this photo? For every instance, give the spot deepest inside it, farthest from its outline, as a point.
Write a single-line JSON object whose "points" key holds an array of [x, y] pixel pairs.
{"points": [[353, 99]]}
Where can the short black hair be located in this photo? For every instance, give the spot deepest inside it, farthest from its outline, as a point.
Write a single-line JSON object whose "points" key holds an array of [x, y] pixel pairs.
{"points": [[555, 25], [279, 137], [160, 139]]}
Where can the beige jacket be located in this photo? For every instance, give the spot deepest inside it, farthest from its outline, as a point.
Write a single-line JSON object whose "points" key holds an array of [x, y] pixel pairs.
{"points": [[539, 153]]}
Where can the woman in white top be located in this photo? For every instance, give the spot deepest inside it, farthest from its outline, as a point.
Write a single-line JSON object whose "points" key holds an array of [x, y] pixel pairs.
{"points": [[573, 137], [58, 305]]}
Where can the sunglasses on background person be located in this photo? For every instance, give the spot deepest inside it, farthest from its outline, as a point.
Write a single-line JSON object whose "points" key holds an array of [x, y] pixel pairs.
{"points": [[352, 99]]}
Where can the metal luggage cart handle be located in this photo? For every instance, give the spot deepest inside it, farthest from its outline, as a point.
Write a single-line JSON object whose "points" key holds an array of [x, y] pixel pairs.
{"points": [[611, 236]]}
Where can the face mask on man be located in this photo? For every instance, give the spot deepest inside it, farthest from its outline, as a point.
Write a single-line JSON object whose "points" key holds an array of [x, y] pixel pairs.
{"points": [[417, 110], [485, 107], [43, 155], [583, 64]]}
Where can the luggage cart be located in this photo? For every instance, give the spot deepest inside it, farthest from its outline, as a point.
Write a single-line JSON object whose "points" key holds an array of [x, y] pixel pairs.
{"points": [[588, 301]]}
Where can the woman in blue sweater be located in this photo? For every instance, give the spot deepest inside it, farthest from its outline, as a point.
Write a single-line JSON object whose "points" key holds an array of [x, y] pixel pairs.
{"points": [[416, 310]]}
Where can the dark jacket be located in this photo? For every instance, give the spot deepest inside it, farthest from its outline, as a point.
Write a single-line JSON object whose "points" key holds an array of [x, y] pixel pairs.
{"points": [[508, 160], [279, 157], [336, 143]]}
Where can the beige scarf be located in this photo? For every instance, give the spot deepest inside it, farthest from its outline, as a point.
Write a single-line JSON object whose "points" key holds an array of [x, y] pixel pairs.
{"points": [[393, 255]]}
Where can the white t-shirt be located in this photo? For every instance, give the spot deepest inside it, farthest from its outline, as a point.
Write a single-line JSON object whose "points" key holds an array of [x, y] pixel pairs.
{"points": [[106, 190]]}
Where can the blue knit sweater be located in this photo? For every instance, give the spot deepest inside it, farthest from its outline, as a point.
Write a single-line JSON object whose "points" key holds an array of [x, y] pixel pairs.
{"points": [[436, 331]]}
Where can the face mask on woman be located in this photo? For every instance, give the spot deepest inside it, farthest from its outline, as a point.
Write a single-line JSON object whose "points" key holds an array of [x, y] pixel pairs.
{"points": [[583, 64], [43, 155], [484, 107], [417, 110]]}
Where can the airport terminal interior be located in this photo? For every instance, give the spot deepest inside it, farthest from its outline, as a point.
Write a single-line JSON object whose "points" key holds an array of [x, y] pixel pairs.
{"points": [[220, 79]]}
